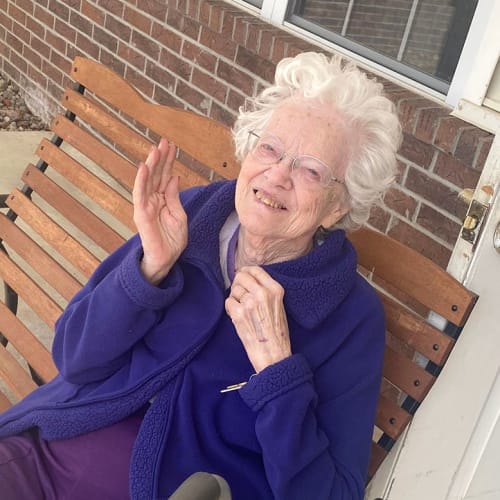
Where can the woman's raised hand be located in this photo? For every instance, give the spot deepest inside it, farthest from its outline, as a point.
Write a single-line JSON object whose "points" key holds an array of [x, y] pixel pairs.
{"points": [[255, 306], [158, 214]]}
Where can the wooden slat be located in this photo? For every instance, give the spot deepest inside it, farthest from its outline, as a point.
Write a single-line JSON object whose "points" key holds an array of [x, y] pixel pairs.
{"points": [[115, 165], [416, 332], [413, 274], [202, 138], [71, 209], [49, 269], [14, 375], [52, 233], [376, 458], [88, 183], [134, 144], [408, 376], [391, 418], [4, 402], [29, 291], [32, 350]]}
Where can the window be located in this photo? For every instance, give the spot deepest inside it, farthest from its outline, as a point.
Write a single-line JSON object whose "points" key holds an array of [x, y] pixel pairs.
{"points": [[421, 39]]}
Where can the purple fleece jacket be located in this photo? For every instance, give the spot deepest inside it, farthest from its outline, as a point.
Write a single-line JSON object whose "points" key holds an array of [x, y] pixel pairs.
{"points": [[299, 429]]}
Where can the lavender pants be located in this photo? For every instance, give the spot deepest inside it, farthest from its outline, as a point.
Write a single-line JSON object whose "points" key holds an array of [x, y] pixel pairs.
{"points": [[94, 465]]}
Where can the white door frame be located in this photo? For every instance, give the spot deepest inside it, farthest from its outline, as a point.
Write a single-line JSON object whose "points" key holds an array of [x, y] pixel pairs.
{"points": [[450, 442]]}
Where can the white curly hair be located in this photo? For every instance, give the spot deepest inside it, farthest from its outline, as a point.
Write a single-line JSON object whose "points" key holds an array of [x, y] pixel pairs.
{"points": [[361, 104]]}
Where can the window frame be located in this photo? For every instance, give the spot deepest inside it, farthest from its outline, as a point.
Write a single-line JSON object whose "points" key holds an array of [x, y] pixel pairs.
{"points": [[467, 90]]}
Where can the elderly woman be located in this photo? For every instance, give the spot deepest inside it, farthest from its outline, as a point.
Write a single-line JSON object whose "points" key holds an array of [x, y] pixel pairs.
{"points": [[232, 334]]}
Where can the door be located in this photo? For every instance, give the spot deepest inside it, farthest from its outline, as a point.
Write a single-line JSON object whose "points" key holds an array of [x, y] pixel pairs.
{"points": [[451, 450]]}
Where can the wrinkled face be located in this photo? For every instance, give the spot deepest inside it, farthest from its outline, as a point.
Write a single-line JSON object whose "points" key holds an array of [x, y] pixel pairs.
{"points": [[274, 202]]}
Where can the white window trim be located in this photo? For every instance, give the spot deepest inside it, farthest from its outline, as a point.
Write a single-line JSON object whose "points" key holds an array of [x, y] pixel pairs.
{"points": [[472, 76]]}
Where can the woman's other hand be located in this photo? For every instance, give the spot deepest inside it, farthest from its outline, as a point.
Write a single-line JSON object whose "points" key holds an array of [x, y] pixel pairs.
{"points": [[158, 213], [255, 305]]}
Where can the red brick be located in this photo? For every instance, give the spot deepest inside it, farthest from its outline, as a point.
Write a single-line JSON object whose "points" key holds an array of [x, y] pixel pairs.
{"points": [[231, 15], [421, 243], [59, 10], [447, 133], [192, 96], [40, 46], [438, 194], [455, 171], [32, 56], [112, 62], [139, 82], [468, 143], [114, 6], [408, 109], [80, 23], [221, 114], [440, 225], [483, 152], [56, 42], [235, 100], [206, 82], [175, 65], [199, 56], [21, 33], [61, 62], [193, 9], [65, 30], [44, 17], [242, 81], [17, 14], [280, 46], [218, 43], [400, 202], [35, 27], [118, 29], [92, 12], [131, 56], [106, 39], [88, 46], [215, 20], [26, 5], [240, 30], [160, 75], [255, 64], [161, 96], [5, 22], [427, 123], [53, 73], [137, 19], [266, 43], [37, 76], [14, 43], [18, 62], [416, 151], [379, 218], [166, 37], [155, 9], [146, 45]]}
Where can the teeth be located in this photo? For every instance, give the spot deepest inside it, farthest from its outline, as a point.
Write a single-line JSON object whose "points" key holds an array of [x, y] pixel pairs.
{"points": [[268, 201]]}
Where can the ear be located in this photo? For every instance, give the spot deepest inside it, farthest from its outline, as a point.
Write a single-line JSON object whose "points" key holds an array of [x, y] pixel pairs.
{"points": [[338, 207]]}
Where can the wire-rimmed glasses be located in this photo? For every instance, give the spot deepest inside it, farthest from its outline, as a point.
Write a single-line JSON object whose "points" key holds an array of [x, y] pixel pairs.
{"points": [[309, 170]]}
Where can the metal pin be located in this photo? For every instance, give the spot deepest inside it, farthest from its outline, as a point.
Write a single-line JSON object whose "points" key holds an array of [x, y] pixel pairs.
{"points": [[233, 387]]}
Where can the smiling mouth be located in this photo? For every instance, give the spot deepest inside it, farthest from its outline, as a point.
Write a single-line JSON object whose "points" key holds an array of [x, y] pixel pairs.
{"points": [[266, 200]]}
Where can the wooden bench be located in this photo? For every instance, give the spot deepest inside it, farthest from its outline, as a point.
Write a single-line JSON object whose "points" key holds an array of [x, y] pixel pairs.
{"points": [[75, 208]]}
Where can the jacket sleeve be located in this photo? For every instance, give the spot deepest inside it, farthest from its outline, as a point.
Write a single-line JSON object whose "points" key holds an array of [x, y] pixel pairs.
{"points": [[315, 439], [113, 311]]}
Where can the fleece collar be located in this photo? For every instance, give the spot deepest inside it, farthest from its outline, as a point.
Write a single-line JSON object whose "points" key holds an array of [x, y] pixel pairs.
{"points": [[315, 284]]}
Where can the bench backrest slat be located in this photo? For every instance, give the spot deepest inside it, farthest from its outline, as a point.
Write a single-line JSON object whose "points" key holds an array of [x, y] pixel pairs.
{"points": [[80, 211], [55, 236]]}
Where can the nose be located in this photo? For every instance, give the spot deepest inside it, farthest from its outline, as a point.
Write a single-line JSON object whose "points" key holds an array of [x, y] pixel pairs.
{"points": [[280, 172]]}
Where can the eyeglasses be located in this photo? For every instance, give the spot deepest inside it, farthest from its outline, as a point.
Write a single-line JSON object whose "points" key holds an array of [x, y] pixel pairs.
{"points": [[307, 169]]}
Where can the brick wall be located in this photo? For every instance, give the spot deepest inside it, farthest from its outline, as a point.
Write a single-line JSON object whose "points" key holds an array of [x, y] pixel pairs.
{"points": [[207, 56]]}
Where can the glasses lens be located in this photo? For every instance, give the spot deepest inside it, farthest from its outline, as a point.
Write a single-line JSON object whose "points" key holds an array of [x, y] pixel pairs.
{"points": [[268, 150], [311, 170]]}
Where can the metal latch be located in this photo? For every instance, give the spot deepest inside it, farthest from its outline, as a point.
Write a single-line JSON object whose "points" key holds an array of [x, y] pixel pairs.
{"points": [[476, 214]]}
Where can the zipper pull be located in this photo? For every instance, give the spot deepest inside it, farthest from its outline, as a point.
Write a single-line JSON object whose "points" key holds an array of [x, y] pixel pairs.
{"points": [[233, 387]]}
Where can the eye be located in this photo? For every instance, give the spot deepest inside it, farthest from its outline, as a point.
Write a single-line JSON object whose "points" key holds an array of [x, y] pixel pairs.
{"points": [[268, 150], [310, 169]]}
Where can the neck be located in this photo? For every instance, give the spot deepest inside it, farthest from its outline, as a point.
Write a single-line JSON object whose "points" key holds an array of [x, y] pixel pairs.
{"points": [[255, 250]]}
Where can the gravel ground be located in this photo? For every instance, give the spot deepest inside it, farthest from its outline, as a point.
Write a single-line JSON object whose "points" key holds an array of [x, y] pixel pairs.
{"points": [[14, 114]]}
